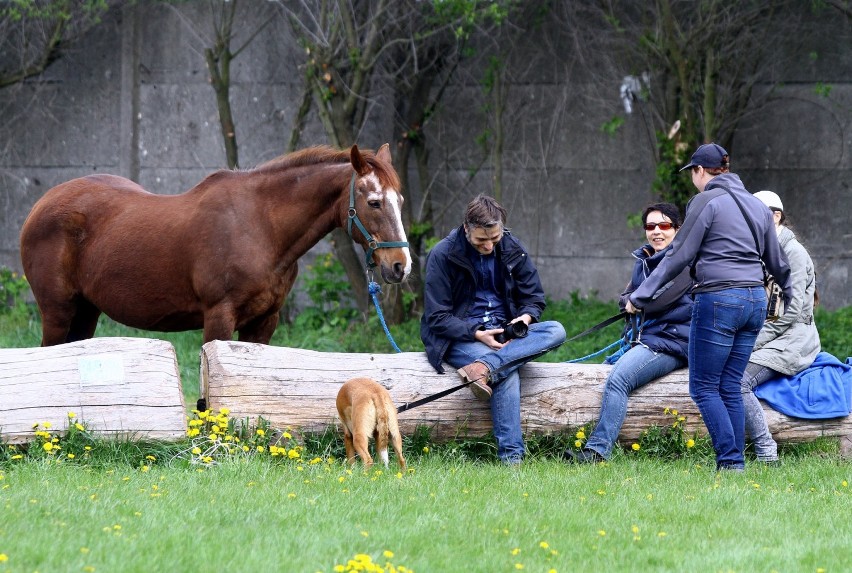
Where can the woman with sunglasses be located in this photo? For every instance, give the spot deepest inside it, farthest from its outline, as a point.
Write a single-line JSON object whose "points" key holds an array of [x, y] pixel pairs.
{"points": [[656, 346], [727, 261], [785, 346]]}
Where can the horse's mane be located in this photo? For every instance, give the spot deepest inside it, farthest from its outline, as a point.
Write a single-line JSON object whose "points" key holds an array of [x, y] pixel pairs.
{"points": [[320, 154]]}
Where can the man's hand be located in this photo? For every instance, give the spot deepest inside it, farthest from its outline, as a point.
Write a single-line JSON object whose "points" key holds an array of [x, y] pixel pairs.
{"points": [[630, 308], [486, 337]]}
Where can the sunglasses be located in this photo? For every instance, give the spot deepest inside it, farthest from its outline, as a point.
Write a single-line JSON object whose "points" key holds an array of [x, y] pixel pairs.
{"points": [[664, 226]]}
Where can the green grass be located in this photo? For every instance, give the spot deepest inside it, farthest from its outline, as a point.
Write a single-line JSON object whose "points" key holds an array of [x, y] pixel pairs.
{"points": [[151, 507], [445, 515]]}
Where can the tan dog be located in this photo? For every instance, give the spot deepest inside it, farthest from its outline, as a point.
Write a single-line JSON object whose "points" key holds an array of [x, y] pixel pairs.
{"points": [[365, 408]]}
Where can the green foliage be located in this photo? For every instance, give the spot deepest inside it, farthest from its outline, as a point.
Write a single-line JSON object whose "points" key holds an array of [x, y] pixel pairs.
{"points": [[13, 290], [325, 283], [672, 442], [18, 10], [822, 90], [669, 183], [613, 125], [466, 15]]}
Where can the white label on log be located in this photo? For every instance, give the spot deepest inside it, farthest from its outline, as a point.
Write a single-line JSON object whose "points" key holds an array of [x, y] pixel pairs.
{"points": [[101, 370]]}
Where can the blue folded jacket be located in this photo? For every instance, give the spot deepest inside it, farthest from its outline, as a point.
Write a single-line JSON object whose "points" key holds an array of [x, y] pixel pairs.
{"points": [[822, 390]]}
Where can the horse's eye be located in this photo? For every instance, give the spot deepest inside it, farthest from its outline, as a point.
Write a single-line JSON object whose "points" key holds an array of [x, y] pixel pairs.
{"points": [[375, 204]]}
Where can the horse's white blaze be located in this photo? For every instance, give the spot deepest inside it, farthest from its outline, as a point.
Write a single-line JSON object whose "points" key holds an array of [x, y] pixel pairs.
{"points": [[394, 199]]}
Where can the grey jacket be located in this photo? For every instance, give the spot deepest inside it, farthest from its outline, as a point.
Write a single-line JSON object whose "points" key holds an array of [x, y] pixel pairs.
{"points": [[716, 242], [791, 343]]}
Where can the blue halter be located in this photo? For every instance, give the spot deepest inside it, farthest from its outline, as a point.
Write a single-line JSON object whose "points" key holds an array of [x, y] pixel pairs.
{"points": [[372, 245]]}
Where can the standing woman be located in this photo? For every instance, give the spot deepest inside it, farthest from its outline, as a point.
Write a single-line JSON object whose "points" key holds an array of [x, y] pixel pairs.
{"points": [[787, 345], [660, 347], [729, 305]]}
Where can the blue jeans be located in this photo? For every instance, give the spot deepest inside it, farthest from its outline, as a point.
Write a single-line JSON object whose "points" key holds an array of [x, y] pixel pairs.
{"points": [[505, 381], [724, 328], [634, 369]]}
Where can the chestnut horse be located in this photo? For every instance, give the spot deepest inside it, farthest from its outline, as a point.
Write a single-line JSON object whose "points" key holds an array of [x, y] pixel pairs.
{"points": [[221, 256]]}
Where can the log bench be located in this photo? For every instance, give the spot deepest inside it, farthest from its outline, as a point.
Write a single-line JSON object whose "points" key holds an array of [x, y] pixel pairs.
{"points": [[118, 387], [296, 389]]}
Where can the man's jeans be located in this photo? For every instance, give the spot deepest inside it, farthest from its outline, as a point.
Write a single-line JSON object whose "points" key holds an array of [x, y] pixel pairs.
{"points": [[505, 381], [724, 328], [634, 369], [755, 422]]}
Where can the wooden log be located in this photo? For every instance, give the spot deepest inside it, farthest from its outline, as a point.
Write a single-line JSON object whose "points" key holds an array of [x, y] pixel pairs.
{"points": [[118, 387], [294, 388]]}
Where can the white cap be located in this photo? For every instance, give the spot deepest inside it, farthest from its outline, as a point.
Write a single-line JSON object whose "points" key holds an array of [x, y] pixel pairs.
{"points": [[770, 199]]}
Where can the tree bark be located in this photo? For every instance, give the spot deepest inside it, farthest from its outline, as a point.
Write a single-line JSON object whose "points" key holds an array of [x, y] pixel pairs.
{"points": [[294, 388], [126, 388]]}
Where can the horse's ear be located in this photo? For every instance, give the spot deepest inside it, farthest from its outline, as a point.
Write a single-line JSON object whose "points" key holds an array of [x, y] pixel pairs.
{"points": [[358, 163], [384, 153]]}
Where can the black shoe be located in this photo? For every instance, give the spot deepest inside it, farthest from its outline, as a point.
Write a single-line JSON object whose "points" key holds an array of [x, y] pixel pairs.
{"points": [[584, 456]]}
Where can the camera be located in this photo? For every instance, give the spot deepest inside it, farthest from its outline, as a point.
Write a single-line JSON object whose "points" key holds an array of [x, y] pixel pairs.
{"points": [[511, 330]]}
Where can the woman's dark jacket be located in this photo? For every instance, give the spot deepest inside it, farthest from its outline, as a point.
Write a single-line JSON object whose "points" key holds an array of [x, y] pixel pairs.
{"points": [[450, 288], [667, 318]]}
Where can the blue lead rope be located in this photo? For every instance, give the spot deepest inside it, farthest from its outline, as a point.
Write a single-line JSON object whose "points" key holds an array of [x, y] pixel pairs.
{"points": [[375, 290]]}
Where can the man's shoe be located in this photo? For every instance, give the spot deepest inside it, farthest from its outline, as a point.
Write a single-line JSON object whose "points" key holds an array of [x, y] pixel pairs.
{"points": [[477, 374], [584, 456]]}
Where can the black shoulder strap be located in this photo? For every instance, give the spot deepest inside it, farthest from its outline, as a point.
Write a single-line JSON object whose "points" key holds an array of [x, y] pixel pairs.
{"points": [[747, 218]]}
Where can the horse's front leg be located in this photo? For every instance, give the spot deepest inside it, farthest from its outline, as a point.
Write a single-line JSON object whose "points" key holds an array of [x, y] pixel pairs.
{"points": [[219, 323], [261, 329]]}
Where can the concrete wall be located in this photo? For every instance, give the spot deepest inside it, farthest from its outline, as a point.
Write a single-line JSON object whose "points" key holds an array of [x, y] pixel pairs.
{"points": [[133, 99]]}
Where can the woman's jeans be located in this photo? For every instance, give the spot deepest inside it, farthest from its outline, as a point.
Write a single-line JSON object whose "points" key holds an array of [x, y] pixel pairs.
{"points": [[634, 369], [505, 381], [724, 328], [755, 422]]}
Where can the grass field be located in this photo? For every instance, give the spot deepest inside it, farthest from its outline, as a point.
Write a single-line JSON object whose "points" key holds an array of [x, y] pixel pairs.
{"points": [[132, 507]]}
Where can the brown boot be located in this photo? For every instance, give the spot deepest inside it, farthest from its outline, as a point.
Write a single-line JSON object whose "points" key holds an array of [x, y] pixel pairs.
{"points": [[477, 374]]}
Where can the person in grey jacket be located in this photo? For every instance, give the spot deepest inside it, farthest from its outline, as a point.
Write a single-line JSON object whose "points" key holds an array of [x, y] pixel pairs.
{"points": [[787, 345], [729, 305]]}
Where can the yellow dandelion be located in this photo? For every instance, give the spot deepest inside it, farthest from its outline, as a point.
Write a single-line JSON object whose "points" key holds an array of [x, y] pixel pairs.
{"points": [[544, 545], [261, 432], [519, 565], [844, 483], [224, 411], [388, 554], [577, 443], [690, 443], [291, 495], [71, 456], [516, 550], [71, 415], [601, 532], [286, 435], [580, 434], [674, 412], [3, 557], [196, 451], [661, 534], [425, 449], [79, 426], [47, 446], [636, 447]]}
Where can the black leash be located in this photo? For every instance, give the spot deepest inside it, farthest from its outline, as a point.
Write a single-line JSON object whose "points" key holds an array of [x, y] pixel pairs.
{"points": [[600, 325], [427, 399]]}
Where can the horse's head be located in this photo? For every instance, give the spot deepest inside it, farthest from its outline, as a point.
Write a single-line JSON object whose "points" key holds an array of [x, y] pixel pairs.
{"points": [[375, 213]]}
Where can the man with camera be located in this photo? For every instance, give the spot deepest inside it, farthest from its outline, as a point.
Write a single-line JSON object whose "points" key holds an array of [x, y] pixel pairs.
{"points": [[483, 301]]}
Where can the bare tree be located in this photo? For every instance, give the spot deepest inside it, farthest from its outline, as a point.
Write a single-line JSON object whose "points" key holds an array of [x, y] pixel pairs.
{"points": [[34, 33], [691, 64], [360, 51]]}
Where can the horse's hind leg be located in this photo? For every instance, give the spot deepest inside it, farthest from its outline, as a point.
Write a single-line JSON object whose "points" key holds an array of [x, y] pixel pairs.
{"points": [[68, 322], [84, 323]]}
